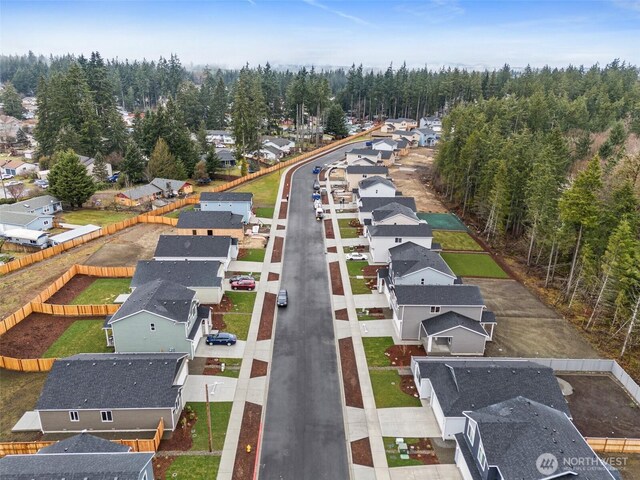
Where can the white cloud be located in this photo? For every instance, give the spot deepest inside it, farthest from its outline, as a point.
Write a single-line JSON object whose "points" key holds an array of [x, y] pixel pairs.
{"points": [[339, 13]]}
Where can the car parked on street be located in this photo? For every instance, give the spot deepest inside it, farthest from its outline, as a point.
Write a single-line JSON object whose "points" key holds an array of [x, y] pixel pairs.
{"points": [[221, 338], [356, 256], [283, 298], [316, 169], [243, 285], [316, 185], [236, 278]]}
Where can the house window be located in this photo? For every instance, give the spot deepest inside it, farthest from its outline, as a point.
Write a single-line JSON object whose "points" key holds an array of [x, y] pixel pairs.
{"points": [[471, 431], [194, 232], [482, 459], [106, 416], [210, 233], [73, 416], [398, 240], [46, 222], [152, 327], [435, 309], [144, 476]]}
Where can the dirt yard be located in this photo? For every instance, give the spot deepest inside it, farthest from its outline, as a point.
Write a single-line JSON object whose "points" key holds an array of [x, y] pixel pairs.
{"points": [[352, 392], [71, 289], [361, 452], [526, 327], [602, 408], [244, 465], [411, 173], [266, 317]]}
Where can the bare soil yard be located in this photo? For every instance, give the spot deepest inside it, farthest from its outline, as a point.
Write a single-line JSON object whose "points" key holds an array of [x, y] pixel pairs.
{"points": [[361, 452], [244, 465], [258, 368], [71, 290], [352, 392], [266, 317], [278, 245], [411, 173]]}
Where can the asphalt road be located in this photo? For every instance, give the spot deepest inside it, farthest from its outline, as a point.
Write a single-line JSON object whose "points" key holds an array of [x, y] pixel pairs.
{"points": [[303, 436]]}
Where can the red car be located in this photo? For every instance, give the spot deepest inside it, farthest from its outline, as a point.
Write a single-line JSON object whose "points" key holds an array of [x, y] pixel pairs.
{"points": [[243, 284]]}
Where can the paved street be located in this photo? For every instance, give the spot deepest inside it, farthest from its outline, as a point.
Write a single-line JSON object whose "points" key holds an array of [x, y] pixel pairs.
{"points": [[304, 435]]}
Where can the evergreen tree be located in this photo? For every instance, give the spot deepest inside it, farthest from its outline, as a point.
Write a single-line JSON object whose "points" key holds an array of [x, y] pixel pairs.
{"points": [[219, 105], [201, 135], [133, 164], [21, 137], [247, 113], [336, 125], [164, 164], [213, 162], [200, 171], [12, 101], [100, 171], [69, 180]]}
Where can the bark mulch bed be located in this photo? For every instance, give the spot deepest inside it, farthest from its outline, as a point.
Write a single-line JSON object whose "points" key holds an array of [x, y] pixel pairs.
{"points": [[266, 317], [71, 289], [276, 255], [181, 439], [352, 392], [35, 334], [332, 250], [342, 314], [213, 366], [217, 321], [280, 227], [408, 386], [323, 175], [273, 276], [258, 368], [160, 466], [225, 305], [336, 279], [361, 452], [325, 199], [400, 355], [283, 210], [423, 452], [371, 270], [244, 465], [328, 229], [286, 190]]}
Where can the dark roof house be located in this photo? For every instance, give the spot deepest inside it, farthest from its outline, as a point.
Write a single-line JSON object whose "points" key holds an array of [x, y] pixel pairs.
{"points": [[367, 170], [369, 204], [198, 274], [209, 220], [84, 443], [226, 197], [194, 246], [390, 210], [409, 257]]}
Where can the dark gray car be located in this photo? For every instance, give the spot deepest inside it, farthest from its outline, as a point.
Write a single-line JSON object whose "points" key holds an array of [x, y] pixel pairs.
{"points": [[283, 298]]}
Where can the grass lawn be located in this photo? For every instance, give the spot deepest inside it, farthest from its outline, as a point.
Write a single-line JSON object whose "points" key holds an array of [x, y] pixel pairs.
{"points": [[455, 240], [85, 216], [374, 348], [103, 290], [234, 371], [393, 457], [264, 189], [238, 324], [474, 265], [346, 230], [176, 213], [220, 413], [19, 392], [359, 286], [253, 255], [82, 336], [265, 212], [363, 316], [355, 267], [386, 390], [194, 467], [242, 301]]}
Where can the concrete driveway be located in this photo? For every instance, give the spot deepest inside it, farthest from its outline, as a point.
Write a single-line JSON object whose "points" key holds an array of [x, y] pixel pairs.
{"points": [[408, 422], [194, 388], [220, 351]]}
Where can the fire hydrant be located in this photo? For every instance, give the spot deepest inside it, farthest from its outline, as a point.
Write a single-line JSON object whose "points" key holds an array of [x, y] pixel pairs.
{"points": [[248, 448]]}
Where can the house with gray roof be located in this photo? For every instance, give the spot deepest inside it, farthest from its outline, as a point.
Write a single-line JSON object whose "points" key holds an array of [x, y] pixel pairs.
{"points": [[384, 144], [363, 153], [138, 195], [240, 203], [455, 386], [393, 124], [210, 223], [523, 438], [226, 156], [427, 137], [221, 249], [33, 214], [171, 188], [111, 392], [355, 173], [159, 316], [376, 186], [89, 163], [366, 205], [394, 214], [84, 443], [385, 236], [283, 144], [203, 277]]}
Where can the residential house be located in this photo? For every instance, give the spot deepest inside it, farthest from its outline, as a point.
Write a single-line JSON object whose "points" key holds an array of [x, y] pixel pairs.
{"points": [[283, 144], [393, 124], [136, 196], [210, 223], [367, 205], [427, 137], [269, 153], [376, 186], [203, 277], [17, 167], [33, 214], [159, 316], [522, 438], [413, 137], [106, 392], [363, 162], [454, 386], [73, 233], [171, 188], [89, 163], [403, 147], [221, 249], [227, 158], [385, 145], [434, 123], [384, 237], [23, 236], [394, 214], [387, 158], [81, 456], [240, 203], [220, 137], [355, 173], [359, 153], [44, 204]]}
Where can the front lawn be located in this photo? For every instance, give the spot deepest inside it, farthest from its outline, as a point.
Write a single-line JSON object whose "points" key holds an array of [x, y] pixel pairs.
{"points": [[252, 255], [242, 301], [474, 265], [194, 467], [346, 230], [374, 348], [102, 291], [82, 336], [220, 413], [359, 286], [238, 324], [85, 216], [354, 267], [393, 456], [264, 189], [265, 212], [455, 240], [231, 367], [387, 392]]}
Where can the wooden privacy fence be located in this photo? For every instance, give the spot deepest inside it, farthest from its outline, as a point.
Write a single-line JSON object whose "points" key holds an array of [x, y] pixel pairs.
{"points": [[146, 217], [27, 364], [614, 445], [136, 444]]}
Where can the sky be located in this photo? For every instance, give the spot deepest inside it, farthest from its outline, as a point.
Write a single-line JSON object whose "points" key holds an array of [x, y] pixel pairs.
{"points": [[229, 33]]}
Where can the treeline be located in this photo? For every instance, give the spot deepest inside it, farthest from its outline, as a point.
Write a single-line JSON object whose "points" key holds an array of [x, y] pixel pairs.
{"points": [[517, 163]]}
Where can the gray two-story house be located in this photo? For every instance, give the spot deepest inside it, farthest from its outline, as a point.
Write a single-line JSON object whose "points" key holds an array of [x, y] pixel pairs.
{"points": [[33, 214], [159, 316], [239, 203], [197, 248], [106, 392]]}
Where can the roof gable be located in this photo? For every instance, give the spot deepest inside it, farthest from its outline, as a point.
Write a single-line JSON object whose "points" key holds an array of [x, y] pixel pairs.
{"points": [[193, 246]]}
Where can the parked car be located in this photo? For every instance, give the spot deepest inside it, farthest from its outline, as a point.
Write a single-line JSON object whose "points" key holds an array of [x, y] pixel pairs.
{"points": [[204, 181], [221, 338], [315, 196], [283, 298], [317, 169], [12, 182], [39, 181], [236, 278], [113, 178], [316, 185], [43, 185], [243, 285], [6, 176], [356, 256]]}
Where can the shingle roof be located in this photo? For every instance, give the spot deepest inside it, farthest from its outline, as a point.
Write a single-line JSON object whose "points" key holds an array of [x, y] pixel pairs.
{"points": [[449, 320], [391, 209], [84, 443], [186, 273], [371, 181], [275, 150], [222, 220], [515, 432], [226, 196], [141, 191], [193, 246], [388, 141], [90, 381], [94, 466], [438, 295], [424, 130], [86, 161], [159, 297], [369, 204], [462, 385], [421, 230], [399, 120], [367, 169], [30, 204], [161, 183], [281, 142], [402, 143], [403, 133], [17, 218], [366, 152], [385, 155], [410, 257]]}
